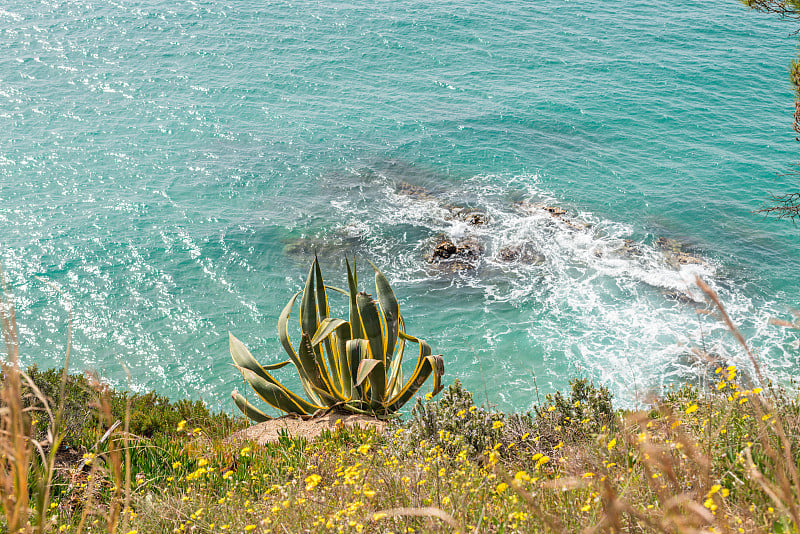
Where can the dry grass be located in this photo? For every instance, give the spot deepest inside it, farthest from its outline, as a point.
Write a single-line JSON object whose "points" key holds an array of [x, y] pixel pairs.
{"points": [[720, 460]]}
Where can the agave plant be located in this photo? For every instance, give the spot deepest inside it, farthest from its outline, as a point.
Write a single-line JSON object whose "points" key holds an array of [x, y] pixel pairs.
{"points": [[355, 364]]}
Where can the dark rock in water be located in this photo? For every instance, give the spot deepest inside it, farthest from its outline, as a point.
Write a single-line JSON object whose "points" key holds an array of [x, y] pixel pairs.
{"points": [[676, 254], [629, 249], [454, 257], [471, 216], [414, 191], [679, 296], [529, 208], [469, 248], [555, 211], [331, 249], [443, 250], [520, 254]]}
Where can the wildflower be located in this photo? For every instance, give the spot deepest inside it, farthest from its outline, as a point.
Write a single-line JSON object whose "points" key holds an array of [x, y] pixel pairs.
{"points": [[378, 515], [364, 449], [691, 409], [176, 465], [496, 425], [586, 508], [248, 528], [501, 487], [245, 451], [312, 481], [181, 425], [202, 462], [612, 443], [227, 474]]}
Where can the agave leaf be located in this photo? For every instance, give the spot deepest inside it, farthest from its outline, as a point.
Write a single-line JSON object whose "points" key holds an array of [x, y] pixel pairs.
{"points": [[376, 372], [352, 283], [242, 358], [324, 312], [248, 409], [340, 338], [371, 324], [277, 395], [326, 327], [357, 350], [308, 304], [322, 296], [338, 290], [364, 368], [390, 309], [396, 368], [429, 364], [283, 330], [327, 398], [315, 368]]}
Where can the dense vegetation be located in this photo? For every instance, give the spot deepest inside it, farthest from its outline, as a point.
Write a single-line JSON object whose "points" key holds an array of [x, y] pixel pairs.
{"points": [[722, 460]]}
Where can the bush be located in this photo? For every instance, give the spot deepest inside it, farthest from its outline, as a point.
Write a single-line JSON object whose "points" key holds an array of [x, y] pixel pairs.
{"points": [[151, 414], [576, 418]]}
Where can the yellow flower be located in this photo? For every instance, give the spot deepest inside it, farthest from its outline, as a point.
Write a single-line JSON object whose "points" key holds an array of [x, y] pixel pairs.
{"points": [[248, 528], [312, 481], [181, 425], [496, 425], [612, 443], [502, 487], [176, 465], [691, 409], [364, 449]]}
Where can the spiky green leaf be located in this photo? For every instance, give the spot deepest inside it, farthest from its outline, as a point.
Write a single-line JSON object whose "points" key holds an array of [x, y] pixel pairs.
{"points": [[277, 395], [371, 325], [390, 311], [253, 413]]}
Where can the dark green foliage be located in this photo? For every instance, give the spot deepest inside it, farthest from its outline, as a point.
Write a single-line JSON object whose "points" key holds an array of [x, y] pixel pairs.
{"points": [[151, 414], [576, 418], [454, 421]]}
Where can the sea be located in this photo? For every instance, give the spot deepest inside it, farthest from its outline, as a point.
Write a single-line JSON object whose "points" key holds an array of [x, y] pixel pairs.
{"points": [[169, 169]]}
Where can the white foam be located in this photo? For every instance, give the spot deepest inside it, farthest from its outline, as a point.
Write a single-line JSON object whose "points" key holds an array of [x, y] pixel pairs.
{"points": [[626, 317]]}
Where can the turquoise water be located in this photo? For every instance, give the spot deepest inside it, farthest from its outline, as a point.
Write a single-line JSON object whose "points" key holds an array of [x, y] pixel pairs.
{"points": [[172, 166]]}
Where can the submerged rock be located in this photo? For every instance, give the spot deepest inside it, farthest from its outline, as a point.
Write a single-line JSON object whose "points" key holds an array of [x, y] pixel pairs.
{"points": [[414, 191], [471, 216], [680, 296], [676, 253], [556, 212], [521, 254], [462, 255]]}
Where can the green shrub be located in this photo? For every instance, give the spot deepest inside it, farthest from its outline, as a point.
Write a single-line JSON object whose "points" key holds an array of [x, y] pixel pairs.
{"points": [[576, 418], [151, 414]]}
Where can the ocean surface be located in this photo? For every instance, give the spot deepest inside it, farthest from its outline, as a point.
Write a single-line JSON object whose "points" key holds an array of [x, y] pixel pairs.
{"points": [[169, 168]]}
